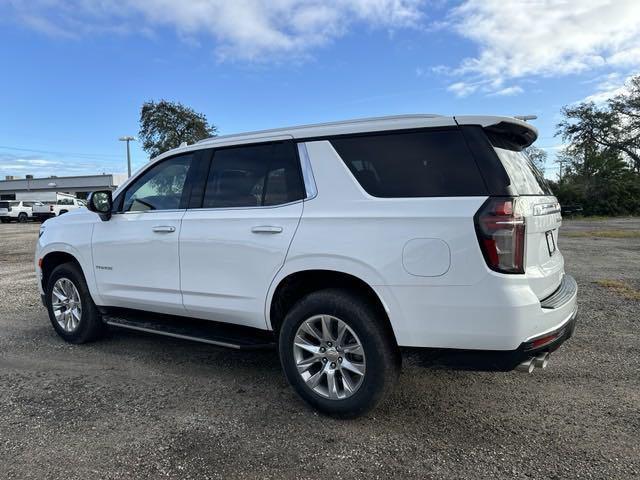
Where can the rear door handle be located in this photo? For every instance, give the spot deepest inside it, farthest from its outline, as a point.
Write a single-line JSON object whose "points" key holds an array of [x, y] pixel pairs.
{"points": [[164, 229], [266, 229]]}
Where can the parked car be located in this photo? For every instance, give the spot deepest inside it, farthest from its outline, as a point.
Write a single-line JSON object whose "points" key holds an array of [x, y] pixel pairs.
{"points": [[338, 243], [65, 203], [16, 210]]}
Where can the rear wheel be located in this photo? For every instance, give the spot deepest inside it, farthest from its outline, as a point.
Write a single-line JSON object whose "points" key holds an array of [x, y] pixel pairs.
{"points": [[22, 217], [72, 312], [337, 353]]}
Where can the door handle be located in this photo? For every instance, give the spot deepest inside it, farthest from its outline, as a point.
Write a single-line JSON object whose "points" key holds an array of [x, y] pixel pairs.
{"points": [[266, 229], [164, 229]]}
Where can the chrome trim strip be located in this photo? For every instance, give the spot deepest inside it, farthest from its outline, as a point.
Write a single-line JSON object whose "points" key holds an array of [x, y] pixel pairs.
{"points": [[174, 335], [546, 209], [307, 172]]}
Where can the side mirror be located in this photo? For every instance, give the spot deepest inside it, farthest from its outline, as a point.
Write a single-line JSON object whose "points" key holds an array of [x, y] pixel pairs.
{"points": [[101, 203]]}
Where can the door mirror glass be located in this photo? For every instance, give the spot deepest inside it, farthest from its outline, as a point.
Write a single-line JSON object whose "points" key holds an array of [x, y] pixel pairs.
{"points": [[101, 203]]}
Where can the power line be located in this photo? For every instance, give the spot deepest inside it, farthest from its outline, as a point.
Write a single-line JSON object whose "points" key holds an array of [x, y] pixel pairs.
{"points": [[53, 152]]}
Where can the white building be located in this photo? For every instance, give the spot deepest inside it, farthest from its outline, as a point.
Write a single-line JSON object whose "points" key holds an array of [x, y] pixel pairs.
{"points": [[44, 189]]}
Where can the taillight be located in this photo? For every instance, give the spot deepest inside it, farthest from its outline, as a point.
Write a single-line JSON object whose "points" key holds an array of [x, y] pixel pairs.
{"points": [[500, 229], [8, 209], [51, 208]]}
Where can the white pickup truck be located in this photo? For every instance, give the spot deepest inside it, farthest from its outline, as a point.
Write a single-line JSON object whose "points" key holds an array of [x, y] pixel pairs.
{"points": [[64, 204]]}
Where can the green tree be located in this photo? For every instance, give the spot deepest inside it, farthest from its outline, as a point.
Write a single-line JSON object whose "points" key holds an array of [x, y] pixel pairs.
{"points": [[615, 125], [165, 125], [601, 162]]}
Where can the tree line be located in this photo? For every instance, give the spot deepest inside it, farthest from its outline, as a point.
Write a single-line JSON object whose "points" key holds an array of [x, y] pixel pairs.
{"points": [[600, 162]]}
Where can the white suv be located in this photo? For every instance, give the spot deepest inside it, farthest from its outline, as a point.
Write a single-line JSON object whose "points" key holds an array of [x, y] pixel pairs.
{"points": [[16, 210], [338, 243]]}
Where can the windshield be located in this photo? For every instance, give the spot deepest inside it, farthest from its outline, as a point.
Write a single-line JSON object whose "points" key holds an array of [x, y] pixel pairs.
{"points": [[524, 175]]}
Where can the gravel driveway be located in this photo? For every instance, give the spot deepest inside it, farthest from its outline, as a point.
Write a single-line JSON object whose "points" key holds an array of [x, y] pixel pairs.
{"points": [[139, 406]]}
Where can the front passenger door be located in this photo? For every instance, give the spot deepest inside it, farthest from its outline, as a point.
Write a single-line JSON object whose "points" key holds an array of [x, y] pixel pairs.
{"points": [[135, 253]]}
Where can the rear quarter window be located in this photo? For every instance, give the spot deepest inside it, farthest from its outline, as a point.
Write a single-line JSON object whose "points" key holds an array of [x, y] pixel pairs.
{"points": [[524, 175], [428, 163]]}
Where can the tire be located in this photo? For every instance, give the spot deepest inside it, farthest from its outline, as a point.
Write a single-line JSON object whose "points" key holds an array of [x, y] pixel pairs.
{"points": [[89, 325], [381, 358], [22, 217]]}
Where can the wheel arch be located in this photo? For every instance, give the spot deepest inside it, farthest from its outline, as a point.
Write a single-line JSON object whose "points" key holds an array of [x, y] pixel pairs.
{"points": [[52, 260], [297, 284]]}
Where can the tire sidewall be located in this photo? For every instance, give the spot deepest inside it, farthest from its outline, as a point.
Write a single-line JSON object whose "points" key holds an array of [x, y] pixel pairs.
{"points": [[378, 350], [22, 217], [89, 311]]}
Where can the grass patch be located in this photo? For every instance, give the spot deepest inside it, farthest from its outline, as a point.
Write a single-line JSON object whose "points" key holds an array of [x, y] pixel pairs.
{"points": [[602, 233], [621, 288]]}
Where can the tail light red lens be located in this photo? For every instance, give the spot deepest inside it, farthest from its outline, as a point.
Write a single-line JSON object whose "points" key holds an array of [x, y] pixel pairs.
{"points": [[51, 208], [501, 233]]}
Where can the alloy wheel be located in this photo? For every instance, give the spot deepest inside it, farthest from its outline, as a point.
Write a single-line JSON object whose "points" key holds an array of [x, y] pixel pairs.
{"points": [[329, 357], [66, 305]]}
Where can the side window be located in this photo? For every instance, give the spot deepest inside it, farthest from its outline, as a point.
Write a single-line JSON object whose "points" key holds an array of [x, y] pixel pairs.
{"points": [[27, 204], [253, 176], [430, 163], [159, 188]]}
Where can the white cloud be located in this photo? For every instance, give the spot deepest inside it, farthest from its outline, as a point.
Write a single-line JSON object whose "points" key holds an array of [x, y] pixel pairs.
{"points": [[18, 164], [608, 86], [462, 89], [526, 38], [241, 29], [508, 91]]}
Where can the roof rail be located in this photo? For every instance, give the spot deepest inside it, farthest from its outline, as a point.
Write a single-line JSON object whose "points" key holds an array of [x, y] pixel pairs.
{"points": [[273, 131]]}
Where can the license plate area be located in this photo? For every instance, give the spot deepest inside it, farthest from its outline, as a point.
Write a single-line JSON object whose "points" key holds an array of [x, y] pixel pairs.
{"points": [[551, 242]]}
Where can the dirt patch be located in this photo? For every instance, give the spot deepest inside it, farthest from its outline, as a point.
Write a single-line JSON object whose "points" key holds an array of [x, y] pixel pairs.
{"points": [[620, 288]]}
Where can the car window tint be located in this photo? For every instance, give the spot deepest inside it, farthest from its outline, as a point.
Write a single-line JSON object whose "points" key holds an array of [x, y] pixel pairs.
{"points": [[159, 188], [253, 176], [429, 163]]}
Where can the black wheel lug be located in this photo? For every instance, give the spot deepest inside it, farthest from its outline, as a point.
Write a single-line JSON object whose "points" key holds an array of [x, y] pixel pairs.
{"points": [[324, 360], [333, 364]]}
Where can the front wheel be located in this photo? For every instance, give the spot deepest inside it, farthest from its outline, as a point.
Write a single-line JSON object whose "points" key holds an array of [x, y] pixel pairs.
{"points": [[72, 312], [337, 353]]}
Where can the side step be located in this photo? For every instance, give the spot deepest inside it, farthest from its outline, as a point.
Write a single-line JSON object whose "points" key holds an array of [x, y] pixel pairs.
{"points": [[204, 331]]}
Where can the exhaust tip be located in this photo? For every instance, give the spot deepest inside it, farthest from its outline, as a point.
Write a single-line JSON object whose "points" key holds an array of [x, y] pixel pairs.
{"points": [[542, 360], [528, 366]]}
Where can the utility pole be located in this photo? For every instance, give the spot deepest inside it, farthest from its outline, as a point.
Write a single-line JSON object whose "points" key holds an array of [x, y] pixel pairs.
{"points": [[128, 139]]}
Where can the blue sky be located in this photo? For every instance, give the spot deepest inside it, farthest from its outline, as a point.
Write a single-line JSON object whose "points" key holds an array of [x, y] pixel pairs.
{"points": [[75, 73]]}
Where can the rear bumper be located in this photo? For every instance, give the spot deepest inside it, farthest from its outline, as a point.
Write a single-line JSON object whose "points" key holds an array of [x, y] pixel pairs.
{"points": [[496, 314], [494, 360]]}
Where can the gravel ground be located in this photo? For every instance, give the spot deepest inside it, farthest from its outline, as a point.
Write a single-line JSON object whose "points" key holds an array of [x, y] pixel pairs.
{"points": [[138, 406]]}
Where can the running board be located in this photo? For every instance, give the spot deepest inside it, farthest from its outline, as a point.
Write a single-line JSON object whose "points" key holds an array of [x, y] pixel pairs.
{"points": [[203, 331]]}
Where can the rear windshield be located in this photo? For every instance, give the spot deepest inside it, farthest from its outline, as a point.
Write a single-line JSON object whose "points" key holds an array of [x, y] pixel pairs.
{"points": [[429, 163], [524, 175]]}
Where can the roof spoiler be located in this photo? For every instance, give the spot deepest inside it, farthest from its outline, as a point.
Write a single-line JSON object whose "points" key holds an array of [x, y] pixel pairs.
{"points": [[516, 132]]}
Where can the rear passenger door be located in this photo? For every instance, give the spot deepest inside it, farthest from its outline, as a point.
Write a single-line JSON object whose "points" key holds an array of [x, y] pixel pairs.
{"points": [[236, 233]]}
